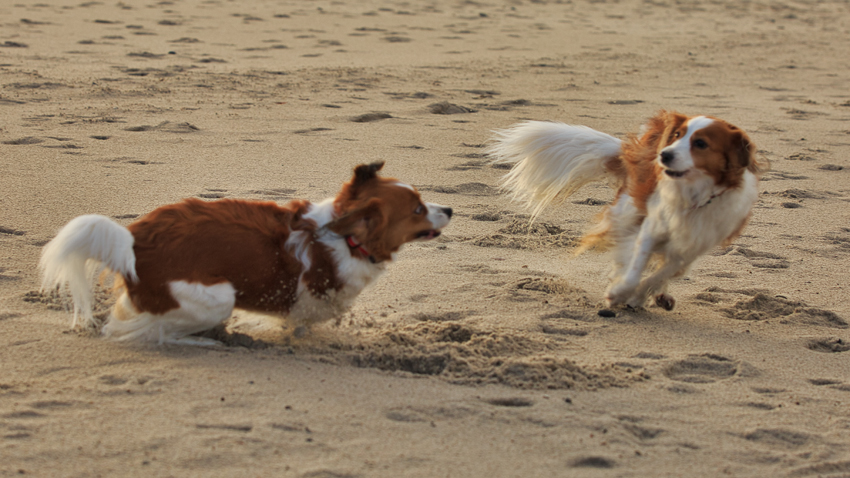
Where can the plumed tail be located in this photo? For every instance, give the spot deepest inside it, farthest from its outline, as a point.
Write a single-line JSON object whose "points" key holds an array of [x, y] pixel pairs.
{"points": [[81, 249], [553, 160]]}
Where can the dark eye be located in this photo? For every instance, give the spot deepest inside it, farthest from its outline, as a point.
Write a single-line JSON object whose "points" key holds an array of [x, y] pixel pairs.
{"points": [[700, 144], [676, 135], [419, 209]]}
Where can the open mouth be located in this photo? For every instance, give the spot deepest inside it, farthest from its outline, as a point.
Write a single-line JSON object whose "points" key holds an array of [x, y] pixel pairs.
{"points": [[428, 235], [675, 174]]}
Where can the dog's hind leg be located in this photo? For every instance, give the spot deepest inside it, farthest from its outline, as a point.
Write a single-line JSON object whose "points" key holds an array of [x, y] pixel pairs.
{"points": [[627, 280], [202, 307]]}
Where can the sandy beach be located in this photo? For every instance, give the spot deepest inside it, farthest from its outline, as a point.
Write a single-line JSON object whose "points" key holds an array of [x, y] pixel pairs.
{"points": [[481, 353]]}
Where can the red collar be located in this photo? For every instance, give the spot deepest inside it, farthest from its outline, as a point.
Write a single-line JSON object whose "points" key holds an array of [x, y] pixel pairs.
{"points": [[713, 196], [359, 248]]}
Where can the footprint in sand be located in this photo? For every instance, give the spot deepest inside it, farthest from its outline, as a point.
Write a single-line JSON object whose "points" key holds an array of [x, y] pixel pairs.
{"points": [[275, 194], [801, 157], [829, 345], [404, 416], [24, 141], [396, 39], [312, 130], [469, 165], [509, 105], [781, 438], [167, 127], [510, 402], [775, 174], [446, 108], [585, 316], [593, 462], [642, 433], [759, 259], [562, 331], [11, 231], [419, 95], [453, 333], [225, 427], [836, 469], [820, 382], [467, 189], [6, 277], [370, 117], [487, 216], [706, 368], [213, 193], [803, 115], [839, 239], [764, 307], [291, 427], [429, 414]]}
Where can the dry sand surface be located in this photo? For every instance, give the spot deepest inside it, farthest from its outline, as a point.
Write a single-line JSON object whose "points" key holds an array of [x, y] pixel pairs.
{"points": [[481, 353]]}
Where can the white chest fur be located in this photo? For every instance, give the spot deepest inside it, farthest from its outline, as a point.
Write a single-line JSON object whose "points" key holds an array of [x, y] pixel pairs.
{"points": [[353, 273]]}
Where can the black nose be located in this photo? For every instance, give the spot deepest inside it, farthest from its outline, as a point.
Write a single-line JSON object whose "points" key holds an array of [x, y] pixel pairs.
{"points": [[447, 211], [667, 157]]}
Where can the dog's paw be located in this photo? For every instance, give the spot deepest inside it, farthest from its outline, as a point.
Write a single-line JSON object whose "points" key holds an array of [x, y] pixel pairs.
{"points": [[621, 294], [665, 301], [636, 302]]}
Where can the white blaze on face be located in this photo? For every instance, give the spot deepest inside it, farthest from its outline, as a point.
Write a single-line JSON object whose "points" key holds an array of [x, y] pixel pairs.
{"points": [[681, 148], [437, 215], [403, 185]]}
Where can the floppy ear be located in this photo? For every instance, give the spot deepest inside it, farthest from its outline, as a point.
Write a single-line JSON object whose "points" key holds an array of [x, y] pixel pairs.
{"points": [[658, 129], [367, 223], [360, 220], [653, 130], [741, 151]]}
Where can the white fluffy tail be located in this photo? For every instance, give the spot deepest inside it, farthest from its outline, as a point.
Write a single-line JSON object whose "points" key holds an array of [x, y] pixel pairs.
{"points": [[552, 160], [79, 252]]}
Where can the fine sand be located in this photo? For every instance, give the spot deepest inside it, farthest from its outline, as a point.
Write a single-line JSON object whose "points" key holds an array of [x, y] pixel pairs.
{"points": [[479, 354]]}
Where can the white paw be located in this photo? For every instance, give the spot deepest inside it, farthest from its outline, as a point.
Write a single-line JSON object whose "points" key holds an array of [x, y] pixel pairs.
{"points": [[636, 302], [619, 294]]}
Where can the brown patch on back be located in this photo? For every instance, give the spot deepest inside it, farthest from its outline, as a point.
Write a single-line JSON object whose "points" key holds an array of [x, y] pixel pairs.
{"points": [[241, 242]]}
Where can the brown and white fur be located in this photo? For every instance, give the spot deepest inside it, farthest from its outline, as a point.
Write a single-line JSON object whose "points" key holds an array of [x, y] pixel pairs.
{"points": [[182, 268], [683, 187]]}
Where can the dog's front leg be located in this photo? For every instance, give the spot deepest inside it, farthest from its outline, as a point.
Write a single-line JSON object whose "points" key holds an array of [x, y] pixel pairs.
{"points": [[622, 289], [657, 284]]}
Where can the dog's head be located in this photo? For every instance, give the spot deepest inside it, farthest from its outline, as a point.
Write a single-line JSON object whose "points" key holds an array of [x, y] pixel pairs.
{"points": [[689, 146], [382, 214]]}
